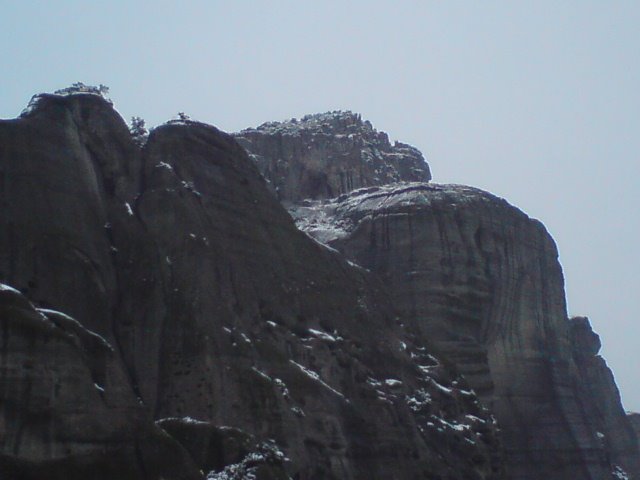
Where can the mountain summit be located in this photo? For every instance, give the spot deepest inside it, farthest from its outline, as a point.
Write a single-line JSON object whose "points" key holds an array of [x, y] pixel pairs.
{"points": [[328, 154]]}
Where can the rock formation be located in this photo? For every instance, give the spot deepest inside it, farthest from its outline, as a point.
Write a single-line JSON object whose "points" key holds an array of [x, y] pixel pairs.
{"points": [[634, 419], [203, 334], [66, 409], [328, 154], [601, 399], [210, 310], [482, 281]]}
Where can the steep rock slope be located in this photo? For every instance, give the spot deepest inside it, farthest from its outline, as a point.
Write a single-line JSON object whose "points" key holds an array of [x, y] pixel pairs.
{"points": [[217, 307], [481, 280], [328, 154], [634, 420], [66, 409], [602, 400]]}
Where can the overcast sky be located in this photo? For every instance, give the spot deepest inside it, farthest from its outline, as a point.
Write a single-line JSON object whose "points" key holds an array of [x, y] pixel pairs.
{"points": [[538, 102]]}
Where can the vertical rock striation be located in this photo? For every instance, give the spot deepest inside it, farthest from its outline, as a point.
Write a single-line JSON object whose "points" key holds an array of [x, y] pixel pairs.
{"points": [[482, 282], [217, 308], [601, 399]]}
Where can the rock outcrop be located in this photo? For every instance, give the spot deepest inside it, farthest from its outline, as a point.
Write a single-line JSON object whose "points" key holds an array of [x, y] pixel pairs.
{"points": [[481, 280], [66, 409], [601, 400], [634, 420], [203, 334], [216, 308], [328, 154]]}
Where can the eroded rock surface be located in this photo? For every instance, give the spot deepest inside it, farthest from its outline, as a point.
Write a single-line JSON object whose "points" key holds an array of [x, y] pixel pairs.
{"points": [[328, 154], [66, 408], [482, 281], [601, 400], [634, 420], [217, 308]]}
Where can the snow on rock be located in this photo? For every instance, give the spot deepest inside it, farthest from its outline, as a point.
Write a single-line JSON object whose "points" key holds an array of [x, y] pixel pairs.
{"points": [[619, 474], [267, 454], [7, 288], [322, 335], [78, 88], [328, 154], [392, 382], [315, 376], [71, 323]]}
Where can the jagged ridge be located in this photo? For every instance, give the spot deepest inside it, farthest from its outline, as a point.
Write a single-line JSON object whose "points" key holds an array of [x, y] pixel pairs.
{"points": [[325, 155]]}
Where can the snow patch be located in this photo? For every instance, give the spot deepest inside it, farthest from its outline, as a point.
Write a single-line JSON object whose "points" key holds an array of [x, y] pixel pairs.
{"points": [[419, 400], [314, 376], [392, 382], [164, 165], [7, 288], [619, 474], [322, 335], [442, 388]]}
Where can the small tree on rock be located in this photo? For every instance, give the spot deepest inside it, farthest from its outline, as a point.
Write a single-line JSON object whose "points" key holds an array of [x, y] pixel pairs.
{"points": [[138, 130]]}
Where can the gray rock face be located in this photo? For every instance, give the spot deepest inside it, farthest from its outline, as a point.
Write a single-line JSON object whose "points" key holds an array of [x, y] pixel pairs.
{"points": [[326, 155], [67, 410], [601, 400], [634, 420], [482, 281], [217, 307]]}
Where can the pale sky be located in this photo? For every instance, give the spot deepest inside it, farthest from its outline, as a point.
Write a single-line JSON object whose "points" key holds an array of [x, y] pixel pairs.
{"points": [[537, 102]]}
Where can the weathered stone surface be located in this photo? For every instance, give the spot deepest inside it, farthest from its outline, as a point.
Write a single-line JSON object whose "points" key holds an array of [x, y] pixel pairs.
{"points": [[226, 452], [325, 155], [601, 399], [634, 420], [66, 409], [287, 343], [482, 281], [217, 307]]}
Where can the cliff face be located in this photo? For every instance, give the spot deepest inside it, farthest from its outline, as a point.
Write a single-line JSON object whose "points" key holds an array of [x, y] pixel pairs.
{"points": [[482, 281], [210, 335], [212, 306], [326, 155], [634, 420], [67, 410], [601, 399]]}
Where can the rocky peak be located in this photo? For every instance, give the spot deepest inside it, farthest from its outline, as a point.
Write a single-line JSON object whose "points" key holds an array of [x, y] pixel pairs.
{"points": [[330, 124], [586, 342], [328, 154]]}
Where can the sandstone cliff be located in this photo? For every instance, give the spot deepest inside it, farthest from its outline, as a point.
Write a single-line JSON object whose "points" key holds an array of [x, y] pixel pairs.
{"points": [[482, 281], [214, 311], [67, 410], [601, 399], [634, 419], [328, 154]]}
